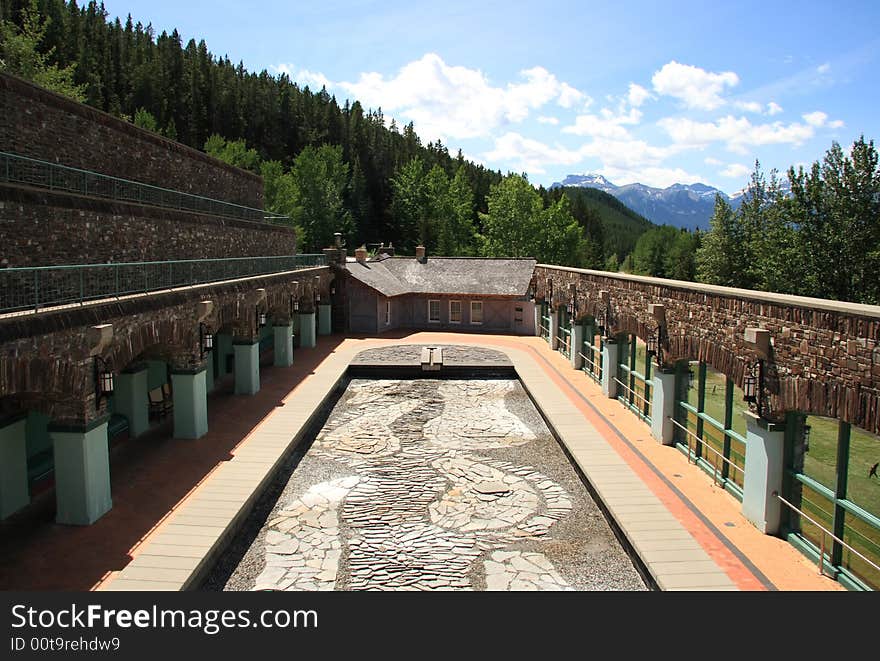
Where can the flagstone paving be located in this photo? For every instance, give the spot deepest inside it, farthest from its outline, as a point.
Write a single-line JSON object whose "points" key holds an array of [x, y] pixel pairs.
{"points": [[428, 484]]}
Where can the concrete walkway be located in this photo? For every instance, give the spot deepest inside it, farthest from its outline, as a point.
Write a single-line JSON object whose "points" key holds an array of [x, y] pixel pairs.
{"points": [[688, 532]]}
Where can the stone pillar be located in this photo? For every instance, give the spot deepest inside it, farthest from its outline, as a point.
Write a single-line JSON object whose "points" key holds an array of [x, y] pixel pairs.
{"points": [[223, 347], [609, 368], [247, 367], [577, 341], [82, 472], [764, 466], [131, 400], [554, 328], [14, 492], [209, 371], [324, 323], [190, 392], [663, 405], [307, 330], [283, 345], [538, 319]]}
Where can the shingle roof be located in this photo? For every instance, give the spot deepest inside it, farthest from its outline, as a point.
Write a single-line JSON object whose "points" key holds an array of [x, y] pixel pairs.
{"points": [[445, 275]]}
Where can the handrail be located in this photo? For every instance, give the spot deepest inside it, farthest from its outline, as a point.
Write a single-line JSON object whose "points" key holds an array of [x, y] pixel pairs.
{"points": [[709, 447], [589, 360], [635, 394], [15, 168], [825, 531], [38, 287]]}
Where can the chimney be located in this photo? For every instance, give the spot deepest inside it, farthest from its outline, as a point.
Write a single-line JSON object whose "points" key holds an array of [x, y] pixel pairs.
{"points": [[360, 254], [420, 254]]}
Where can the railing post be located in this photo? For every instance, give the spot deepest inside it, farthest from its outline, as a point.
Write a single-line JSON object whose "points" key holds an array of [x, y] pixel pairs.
{"points": [[116, 280], [36, 290], [82, 294]]}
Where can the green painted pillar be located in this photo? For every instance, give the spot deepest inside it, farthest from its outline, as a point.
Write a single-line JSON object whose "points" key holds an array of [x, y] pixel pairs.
{"points": [[307, 330], [223, 344], [663, 405], [82, 473], [209, 371], [610, 355], [577, 345], [554, 329], [14, 492], [283, 345], [190, 403], [131, 400], [247, 367], [324, 322], [764, 467]]}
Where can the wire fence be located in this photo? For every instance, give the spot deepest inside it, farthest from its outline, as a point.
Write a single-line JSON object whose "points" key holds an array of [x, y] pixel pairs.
{"points": [[18, 169], [40, 287]]}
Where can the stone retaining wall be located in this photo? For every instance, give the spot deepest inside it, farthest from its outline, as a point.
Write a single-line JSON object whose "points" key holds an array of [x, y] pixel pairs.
{"points": [[43, 228], [825, 356], [43, 125]]}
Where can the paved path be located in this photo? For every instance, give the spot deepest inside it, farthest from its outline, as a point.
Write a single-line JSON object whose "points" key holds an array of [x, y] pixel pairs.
{"points": [[176, 503]]}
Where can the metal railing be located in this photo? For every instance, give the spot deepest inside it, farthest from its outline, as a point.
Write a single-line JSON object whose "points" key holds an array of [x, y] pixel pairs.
{"points": [[635, 395], [825, 532], [708, 446], [47, 286], [593, 364], [18, 169]]}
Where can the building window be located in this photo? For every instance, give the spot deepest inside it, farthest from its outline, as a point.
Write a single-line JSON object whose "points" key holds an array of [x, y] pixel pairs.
{"points": [[434, 311], [476, 312], [455, 312], [387, 312]]}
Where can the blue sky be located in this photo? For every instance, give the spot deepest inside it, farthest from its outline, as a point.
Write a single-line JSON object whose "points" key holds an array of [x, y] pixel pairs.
{"points": [[635, 90]]}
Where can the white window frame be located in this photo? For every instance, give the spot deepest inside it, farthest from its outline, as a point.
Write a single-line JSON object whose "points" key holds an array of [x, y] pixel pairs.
{"points": [[437, 301], [452, 319], [387, 311], [480, 304]]}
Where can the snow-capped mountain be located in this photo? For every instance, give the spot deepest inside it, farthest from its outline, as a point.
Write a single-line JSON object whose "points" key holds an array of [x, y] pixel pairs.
{"points": [[682, 205]]}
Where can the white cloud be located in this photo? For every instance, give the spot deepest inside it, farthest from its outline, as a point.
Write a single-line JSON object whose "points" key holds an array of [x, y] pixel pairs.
{"points": [[836, 124], [609, 125], [749, 106], [543, 119], [637, 95], [737, 133], [455, 101], [736, 171], [696, 87], [657, 177], [773, 108], [304, 76], [530, 155], [712, 161], [817, 118], [823, 68]]}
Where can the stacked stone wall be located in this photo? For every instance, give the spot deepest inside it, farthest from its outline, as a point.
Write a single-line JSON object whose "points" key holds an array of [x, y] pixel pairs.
{"points": [[825, 356], [43, 228], [43, 125]]}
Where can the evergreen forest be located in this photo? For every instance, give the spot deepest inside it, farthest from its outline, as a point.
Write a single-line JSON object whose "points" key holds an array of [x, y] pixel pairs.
{"points": [[342, 167]]}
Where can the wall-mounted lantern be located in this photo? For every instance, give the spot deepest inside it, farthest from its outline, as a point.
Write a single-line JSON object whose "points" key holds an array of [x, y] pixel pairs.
{"points": [[206, 339], [655, 343], [753, 386], [103, 380], [261, 318]]}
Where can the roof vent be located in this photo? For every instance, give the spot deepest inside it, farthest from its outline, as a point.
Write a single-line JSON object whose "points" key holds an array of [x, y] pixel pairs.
{"points": [[420, 254], [360, 254]]}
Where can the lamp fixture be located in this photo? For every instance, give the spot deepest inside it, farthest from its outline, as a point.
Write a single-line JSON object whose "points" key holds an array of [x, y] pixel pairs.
{"points": [[654, 345], [103, 380], [753, 386], [261, 318], [206, 339]]}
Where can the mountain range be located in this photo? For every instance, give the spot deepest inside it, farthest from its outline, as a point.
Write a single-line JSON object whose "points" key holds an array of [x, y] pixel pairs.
{"points": [[682, 205]]}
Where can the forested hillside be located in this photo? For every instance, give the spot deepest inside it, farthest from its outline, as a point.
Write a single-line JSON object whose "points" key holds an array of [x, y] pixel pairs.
{"points": [[384, 184]]}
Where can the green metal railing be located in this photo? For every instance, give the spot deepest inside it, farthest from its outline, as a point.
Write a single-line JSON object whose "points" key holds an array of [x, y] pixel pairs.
{"points": [[18, 169], [45, 286]]}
